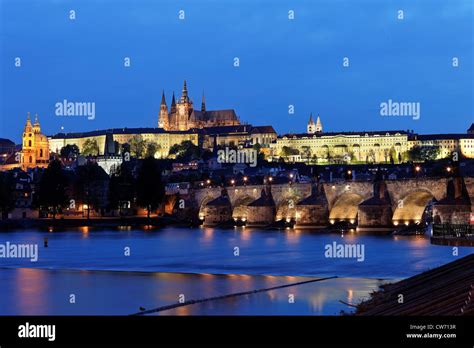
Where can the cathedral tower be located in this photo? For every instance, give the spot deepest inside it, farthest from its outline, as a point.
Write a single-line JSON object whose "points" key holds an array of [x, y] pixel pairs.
{"points": [[184, 108], [311, 127], [319, 125], [163, 119]]}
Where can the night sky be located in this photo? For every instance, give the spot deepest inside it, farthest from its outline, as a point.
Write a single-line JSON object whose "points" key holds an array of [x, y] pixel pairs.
{"points": [[282, 62]]}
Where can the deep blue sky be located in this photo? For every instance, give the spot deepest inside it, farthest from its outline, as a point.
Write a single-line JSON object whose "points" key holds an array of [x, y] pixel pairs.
{"points": [[282, 61]]}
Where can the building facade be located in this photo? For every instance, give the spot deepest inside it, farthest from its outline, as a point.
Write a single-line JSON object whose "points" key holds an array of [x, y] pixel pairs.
{"points": [[366, 147], [35, 146]]}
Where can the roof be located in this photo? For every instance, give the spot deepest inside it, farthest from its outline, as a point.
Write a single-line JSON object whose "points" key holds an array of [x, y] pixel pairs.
{"points": [[118, 131], [471, 129], [227, 129], [263, 129], [6, 142], [317, 197], [217, 115], [330, 134], [425, 137], [221, 201], [265, 200]]}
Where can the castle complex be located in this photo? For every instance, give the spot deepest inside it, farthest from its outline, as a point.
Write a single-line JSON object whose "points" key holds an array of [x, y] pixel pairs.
{"points": [[208, 128]]}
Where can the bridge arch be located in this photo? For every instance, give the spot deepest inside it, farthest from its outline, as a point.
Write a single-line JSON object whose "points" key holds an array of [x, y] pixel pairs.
{"points": [[346, 207], [411, 207], [240, 210], [202, 206]]}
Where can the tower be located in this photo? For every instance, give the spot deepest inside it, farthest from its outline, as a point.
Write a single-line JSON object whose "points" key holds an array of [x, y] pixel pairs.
{"points": [[35, 146], [203, 103], [311, 127], [319, 125], [163, 118], [184, 109]]}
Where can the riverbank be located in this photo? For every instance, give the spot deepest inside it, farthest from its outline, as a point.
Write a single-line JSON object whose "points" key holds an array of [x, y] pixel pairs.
{"points": [[446, 290]]}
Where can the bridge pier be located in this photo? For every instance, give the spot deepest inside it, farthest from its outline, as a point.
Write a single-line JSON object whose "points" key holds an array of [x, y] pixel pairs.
{"points": [[375, 214], [313, 211]]}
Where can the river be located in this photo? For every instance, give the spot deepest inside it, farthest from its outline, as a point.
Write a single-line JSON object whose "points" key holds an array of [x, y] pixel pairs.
{"points": [[115, 272]]}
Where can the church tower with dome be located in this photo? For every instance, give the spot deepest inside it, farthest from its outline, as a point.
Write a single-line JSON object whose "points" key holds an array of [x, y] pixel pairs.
{"points": [[35, 146]]}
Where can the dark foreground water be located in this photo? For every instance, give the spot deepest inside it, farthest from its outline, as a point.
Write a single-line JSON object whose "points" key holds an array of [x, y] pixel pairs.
{"points": [[116, 272]]}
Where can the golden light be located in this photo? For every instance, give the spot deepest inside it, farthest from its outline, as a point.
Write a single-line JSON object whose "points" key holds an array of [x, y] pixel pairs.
{"points": [[244, 219], [85, 207], [395, 223], [349, 172], [448, 169], [332, 222], [208, 181], [291, 175], [245, 178], [288, 219], [270, 179], [232, 181], [417, 168], [352, 221]]}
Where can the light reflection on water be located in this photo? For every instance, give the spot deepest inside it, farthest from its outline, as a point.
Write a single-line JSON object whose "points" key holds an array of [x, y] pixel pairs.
{"points": [[200, 263], [211, 250], [46, 292]]}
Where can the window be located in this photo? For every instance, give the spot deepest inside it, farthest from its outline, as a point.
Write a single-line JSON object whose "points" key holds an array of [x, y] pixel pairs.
{"points": [[29, 143]]}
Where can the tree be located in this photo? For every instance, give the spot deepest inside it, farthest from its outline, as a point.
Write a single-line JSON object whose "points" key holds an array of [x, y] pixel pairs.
{"points": [[257, 147], [6, 193], [150, 188], [138, 146], [52, 189], [121, 188], [70, 151], [186, 151], [423, 153], [90, 148], [306, 152], [91, 186], [393, 155], [151, 149], [287, 151]]}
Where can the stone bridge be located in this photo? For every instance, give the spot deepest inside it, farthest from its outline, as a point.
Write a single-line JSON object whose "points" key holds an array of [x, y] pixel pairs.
{"points": [[285, 197], [396, 201]]}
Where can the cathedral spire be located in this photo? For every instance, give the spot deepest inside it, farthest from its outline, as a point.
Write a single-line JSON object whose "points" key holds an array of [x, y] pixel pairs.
{"points": [[173, 105], [163, 99], [203, 104], [184, 96], [310, 118], [319, 125]]}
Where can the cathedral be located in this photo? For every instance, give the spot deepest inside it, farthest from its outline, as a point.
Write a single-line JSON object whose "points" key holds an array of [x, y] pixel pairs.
{"points": [[35, 146], [182, 116]]}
